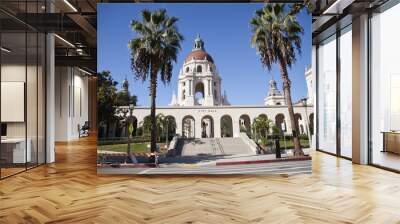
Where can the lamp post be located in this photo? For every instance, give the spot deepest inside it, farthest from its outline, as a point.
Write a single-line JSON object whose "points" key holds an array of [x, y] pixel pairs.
{"points": [[304, 101], [167, 132]]}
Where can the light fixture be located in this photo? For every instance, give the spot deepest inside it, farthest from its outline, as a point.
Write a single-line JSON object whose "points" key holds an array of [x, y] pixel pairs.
{"points": [[84, 71], [337, 7], [70, 5], [64, 40], [5, 50]]}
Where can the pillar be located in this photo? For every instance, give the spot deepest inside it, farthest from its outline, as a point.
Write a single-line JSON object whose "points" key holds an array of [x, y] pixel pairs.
{"points": [[235, 126], [217, 127], [197, 126], [50, 98], [360, 90]]}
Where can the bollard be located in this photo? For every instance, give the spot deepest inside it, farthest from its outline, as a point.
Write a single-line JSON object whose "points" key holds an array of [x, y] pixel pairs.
{"points": [[277, 149]]}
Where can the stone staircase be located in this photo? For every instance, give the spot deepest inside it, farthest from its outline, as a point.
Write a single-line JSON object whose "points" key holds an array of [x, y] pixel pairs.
{"points": [[212, 146]]}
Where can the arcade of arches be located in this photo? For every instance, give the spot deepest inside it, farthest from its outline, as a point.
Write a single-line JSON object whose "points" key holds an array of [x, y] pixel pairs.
{"points": [[228, 121]]}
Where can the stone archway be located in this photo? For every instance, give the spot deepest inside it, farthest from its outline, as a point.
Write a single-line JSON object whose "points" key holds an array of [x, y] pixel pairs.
{"points": [[262, 125], [207, 127], [188, 127], [170, 126], [263, 116], [146, 125], [199, 93], [311, 123], [297, 120], [134, 121], [280, 122], [245, 123], [301, 129], [226, 126]]}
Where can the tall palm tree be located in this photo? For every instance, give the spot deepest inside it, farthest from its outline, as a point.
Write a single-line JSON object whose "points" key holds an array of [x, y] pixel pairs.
{"points": [[153, 51], [276, 34]]}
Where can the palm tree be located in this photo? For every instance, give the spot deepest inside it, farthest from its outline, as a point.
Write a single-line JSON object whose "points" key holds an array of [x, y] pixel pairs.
{"points": [[262, 125], [277, 38], [153, 52]]}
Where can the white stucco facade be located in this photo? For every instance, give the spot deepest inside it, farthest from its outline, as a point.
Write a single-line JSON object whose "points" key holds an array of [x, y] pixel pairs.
{"points": [[198, 113], [201, 115]]}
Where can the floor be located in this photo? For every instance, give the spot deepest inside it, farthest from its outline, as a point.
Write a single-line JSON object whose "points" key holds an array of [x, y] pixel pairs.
{"points": [[70, 191], [387, 159], [10, 171]]}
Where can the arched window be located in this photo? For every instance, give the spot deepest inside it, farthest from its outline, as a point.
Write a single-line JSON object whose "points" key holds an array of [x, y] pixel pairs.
{"points": [[187, 69], [199, 69], [199, 93], [211, 69], [183, 94]]}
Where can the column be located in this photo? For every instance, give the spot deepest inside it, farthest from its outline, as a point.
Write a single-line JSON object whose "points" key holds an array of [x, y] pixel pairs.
{"points": [[314, 89], [178, 121], [360, 90], [50, 98], [217, 127], [209, 87], [197, 126], [235, 126]]}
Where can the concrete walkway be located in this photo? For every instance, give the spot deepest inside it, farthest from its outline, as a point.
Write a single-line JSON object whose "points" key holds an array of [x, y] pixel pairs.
{"points": [[290, 167]]}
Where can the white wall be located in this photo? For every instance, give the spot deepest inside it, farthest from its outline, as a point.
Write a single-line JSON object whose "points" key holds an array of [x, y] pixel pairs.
{"points": [[71, 102], [217, 112]]}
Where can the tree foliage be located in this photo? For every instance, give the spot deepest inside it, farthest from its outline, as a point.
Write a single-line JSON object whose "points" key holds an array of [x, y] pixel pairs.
{"points": [[153, 52], [106, 99], [276, 34]]}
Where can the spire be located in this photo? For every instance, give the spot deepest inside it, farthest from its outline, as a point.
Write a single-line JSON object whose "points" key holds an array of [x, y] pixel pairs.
{"points": [[198, 43], [225, 100], [273, 89], [125, 85]]}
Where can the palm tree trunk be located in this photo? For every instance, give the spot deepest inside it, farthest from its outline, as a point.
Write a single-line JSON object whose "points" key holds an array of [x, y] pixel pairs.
{"points": [[153, 92], [288, 98]]}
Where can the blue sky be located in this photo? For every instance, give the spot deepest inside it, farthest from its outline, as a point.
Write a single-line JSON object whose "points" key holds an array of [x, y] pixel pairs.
{"points": [[226, 32]]}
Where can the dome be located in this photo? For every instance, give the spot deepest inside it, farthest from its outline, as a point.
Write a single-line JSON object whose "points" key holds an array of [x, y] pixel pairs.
{"points": [[198, 52], [199, 55]]}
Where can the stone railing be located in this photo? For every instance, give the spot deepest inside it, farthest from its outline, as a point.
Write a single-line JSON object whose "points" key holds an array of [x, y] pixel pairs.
{"points": [[173, 143], [253, 146]]}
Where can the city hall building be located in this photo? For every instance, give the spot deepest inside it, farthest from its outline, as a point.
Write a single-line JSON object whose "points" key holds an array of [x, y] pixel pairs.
{"points": [[199, 108]]}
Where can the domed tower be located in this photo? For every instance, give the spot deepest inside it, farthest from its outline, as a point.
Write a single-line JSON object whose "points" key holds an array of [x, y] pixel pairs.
{"points": [[125, 85], [199, 81], [274, 97]]}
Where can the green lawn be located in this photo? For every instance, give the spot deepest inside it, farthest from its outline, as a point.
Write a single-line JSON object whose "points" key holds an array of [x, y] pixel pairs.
{"points": [[289, 143], [135, 147], [142, 147]]}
